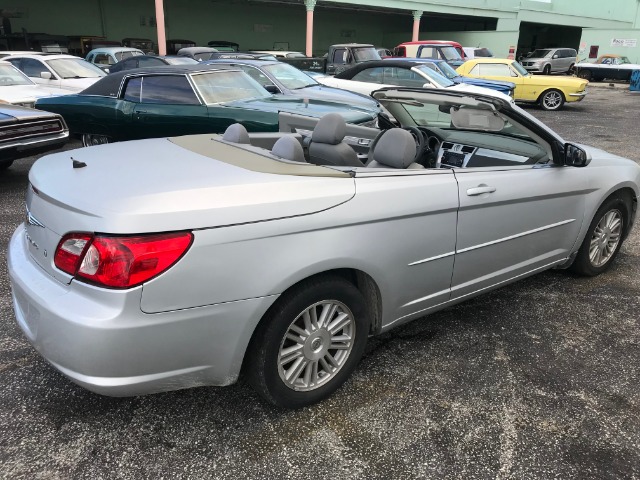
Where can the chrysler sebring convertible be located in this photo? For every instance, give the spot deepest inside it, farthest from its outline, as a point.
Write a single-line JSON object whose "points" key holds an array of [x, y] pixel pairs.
{"points": [[177, 262], [182, 100]]}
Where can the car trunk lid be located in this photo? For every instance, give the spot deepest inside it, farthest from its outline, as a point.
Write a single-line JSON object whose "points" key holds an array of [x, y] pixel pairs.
{"points": [[161, 185]]}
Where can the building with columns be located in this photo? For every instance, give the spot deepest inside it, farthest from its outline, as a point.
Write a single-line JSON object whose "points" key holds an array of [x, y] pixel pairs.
{"points": [[312, 25]]}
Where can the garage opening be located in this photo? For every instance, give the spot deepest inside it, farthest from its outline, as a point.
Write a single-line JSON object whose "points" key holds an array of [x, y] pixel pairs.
{"points": [[540, 35]]}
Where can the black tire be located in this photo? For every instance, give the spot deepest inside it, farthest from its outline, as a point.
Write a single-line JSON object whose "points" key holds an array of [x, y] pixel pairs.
{"points": [[585, 74], [571, 70], [263, 368], [546, 70], [89, 140], [551, 100], [583, 263]]}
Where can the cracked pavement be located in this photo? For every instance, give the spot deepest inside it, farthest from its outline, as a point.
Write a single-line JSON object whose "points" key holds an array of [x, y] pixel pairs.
{"points": [[538, 379]]}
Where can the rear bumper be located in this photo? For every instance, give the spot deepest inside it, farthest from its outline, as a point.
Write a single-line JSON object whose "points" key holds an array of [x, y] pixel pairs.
{"points": [[102, 341]]}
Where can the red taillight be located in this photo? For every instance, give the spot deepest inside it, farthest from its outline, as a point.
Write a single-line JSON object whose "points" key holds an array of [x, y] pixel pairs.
{"points": [[120, 262]]}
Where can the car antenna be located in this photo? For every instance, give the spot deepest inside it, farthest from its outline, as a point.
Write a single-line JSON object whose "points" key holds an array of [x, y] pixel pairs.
{"points": [[77, 163]]}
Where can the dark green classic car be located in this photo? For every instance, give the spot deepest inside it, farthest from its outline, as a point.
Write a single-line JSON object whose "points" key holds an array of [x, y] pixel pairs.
{"points": [[182, 100]]}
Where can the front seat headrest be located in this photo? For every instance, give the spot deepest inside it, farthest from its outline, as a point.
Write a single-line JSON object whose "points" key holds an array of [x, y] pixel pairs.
{"points": [[236, 133], [331, 129], [289, 148], [396, 148]]}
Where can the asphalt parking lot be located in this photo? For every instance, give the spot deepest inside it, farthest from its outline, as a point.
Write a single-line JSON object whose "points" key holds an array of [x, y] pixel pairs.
{"points": [[536, 380]]}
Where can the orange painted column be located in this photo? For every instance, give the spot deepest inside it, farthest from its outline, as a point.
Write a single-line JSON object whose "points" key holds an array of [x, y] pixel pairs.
{"points": [[416, 25], [162, 37], [310, 5]]}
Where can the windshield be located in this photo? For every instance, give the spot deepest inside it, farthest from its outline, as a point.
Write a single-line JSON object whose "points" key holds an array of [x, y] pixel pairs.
{"points": [[435, 77], [74, 68], [450, 53], [223, 86], [289, 76], [444, 69], [364, 54], [10, 75], [203, 56], [624, 60], [541, 53], [123, 55], [180, 61], [520, 69]]}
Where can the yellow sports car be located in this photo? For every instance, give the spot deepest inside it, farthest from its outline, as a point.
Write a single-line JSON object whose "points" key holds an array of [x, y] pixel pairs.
{"points": [[550, 92]]}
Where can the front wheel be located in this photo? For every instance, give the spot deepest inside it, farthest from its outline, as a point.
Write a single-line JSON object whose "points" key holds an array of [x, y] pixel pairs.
{"points": [[603, 239], [585, 75], [309, 342], [89, 140], [546, 70], [552, 100]]}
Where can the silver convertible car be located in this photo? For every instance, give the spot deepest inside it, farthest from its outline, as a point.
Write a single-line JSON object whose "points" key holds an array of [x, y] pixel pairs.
{"points": [[170, 263]]}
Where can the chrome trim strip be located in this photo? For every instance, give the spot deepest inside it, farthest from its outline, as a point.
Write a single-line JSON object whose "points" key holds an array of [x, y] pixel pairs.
{"points": [[437, 257], [518, 235], [456, 299]]}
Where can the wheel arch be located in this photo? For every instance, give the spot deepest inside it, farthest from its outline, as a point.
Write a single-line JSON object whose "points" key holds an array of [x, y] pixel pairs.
{"points": [[364, 282]]}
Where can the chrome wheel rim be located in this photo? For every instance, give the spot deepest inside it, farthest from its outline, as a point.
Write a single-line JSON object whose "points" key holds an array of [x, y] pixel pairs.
{"points": [[605, 238], [316, 345], [89, 140], [552, 100]]}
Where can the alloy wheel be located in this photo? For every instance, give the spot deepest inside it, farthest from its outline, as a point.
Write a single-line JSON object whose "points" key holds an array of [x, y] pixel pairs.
{"points": [[552, 100], [316, 345], [605, 238]]}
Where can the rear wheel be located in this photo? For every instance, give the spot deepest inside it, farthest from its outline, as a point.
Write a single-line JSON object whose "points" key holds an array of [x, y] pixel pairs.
{"points": [[572, 69], [89, 140], [309, 342], [552, 100], [604, 238]]}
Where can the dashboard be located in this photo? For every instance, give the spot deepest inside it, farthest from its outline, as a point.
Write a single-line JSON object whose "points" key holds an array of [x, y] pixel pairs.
{"points": [[465, 149]]}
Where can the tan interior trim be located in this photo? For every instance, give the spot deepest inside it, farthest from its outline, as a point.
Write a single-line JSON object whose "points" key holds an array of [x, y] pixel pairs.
{"points": [[212, 146]]}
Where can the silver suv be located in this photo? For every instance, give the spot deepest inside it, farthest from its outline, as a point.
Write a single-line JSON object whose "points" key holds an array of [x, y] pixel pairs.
{"points": [[550, 60]]}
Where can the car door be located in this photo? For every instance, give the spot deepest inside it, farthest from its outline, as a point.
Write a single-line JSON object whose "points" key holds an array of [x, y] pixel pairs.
{"points": [[410, 218], [162, 106], [514, 220]]}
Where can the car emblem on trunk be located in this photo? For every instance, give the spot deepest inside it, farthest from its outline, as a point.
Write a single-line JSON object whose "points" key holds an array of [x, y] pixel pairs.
{"points": [[31, 220]]}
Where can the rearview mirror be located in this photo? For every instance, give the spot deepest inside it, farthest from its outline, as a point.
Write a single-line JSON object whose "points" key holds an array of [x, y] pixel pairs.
{"points": [[575, 156], [45, 75]]}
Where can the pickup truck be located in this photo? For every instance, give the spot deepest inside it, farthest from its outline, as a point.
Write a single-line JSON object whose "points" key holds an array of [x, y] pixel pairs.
{"points": [[339, 58]]}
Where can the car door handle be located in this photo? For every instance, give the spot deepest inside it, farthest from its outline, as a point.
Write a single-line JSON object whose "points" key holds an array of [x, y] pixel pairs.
{"points": [[472, 192], [140, 111]]}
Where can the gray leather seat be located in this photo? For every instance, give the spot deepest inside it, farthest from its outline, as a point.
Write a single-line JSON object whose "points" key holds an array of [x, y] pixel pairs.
{"points": [[327, 147], [236, 133], [396, 148], [289, 148]]}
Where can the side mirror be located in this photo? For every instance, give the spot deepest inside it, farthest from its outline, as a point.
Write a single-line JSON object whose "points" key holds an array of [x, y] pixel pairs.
{"points": [[271, 88], [45, 75], [575, 156], [555, 56], [427, 85]]}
